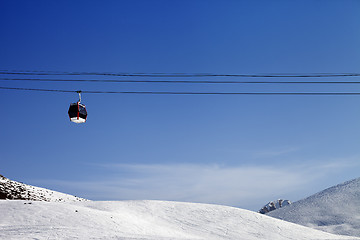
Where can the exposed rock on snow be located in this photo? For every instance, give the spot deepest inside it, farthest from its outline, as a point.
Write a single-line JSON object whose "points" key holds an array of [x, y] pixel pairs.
{"points": [[19, 191], [335, 210], [271, 206]]}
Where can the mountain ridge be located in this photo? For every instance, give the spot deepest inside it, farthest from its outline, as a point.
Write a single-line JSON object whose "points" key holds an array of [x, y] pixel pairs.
{"points": [[335, 209]]}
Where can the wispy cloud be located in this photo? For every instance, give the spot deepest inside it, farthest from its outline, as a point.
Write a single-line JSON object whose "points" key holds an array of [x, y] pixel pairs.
{"points": [[261, 153], [275, 152], [244, 186]]}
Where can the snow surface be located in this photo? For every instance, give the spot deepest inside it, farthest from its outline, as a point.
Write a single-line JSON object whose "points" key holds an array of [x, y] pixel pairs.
{"points": [[158, 220], [335, 210]]}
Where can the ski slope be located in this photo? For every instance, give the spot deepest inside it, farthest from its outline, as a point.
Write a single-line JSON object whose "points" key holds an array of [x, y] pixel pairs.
{"points": [[21, 219], [335, 210]]}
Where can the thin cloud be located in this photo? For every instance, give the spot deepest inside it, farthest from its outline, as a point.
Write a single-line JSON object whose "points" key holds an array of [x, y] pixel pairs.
{"points": [[259, 153], [243, 186], [275, 152]]}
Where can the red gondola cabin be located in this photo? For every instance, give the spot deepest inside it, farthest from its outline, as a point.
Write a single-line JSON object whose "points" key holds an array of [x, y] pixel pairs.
{"points": [[77, 112]]}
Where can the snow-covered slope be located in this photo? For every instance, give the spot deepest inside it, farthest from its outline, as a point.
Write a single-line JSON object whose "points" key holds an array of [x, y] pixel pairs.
{"points": [[143, 220], [15, 190], [273, 205], [335, 210]]}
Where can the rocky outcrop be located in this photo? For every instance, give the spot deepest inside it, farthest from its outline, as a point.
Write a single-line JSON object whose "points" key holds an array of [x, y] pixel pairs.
{"points": [[271, 206]]}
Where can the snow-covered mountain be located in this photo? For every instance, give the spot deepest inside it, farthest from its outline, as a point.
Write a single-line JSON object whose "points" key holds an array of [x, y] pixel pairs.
{"points": [[10, 189], [156, 220], [48, 214], [271, 206], [335, 210]]}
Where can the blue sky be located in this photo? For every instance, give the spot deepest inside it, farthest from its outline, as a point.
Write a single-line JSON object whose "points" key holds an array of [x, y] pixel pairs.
{"points": [[236, 150]]}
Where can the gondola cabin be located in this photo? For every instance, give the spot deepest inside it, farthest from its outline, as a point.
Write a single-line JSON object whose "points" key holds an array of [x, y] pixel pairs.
{"points": [[77, 112]]}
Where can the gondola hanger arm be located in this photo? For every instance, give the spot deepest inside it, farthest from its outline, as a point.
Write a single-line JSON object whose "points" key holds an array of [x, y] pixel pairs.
{"points": [[79, 92]]}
